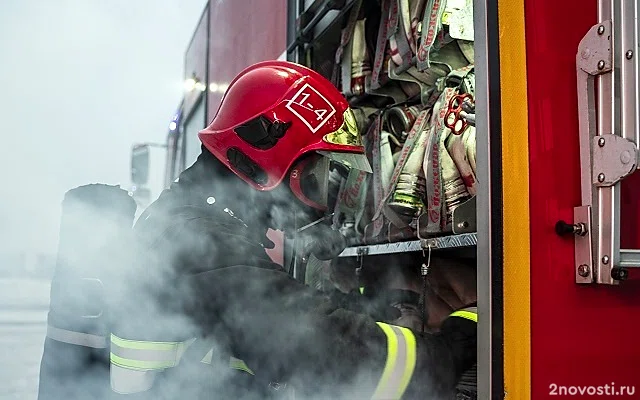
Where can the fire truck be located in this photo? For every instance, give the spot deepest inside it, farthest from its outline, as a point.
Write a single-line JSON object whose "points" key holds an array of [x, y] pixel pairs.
{"points": [[507, 129]]}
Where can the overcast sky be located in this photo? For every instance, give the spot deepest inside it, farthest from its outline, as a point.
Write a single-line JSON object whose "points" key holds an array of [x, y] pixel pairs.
{"points": [[80, 81]]}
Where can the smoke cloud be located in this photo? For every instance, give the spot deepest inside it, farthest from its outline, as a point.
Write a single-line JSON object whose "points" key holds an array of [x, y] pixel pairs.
{"points": [[80, 81]]}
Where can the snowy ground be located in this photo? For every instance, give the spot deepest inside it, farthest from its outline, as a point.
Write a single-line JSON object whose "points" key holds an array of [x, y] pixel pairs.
{"points": [[23, 316]]}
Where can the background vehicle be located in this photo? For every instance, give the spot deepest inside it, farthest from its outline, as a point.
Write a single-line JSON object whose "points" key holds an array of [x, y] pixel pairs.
{"points": [[211, 62], [555, 310]]}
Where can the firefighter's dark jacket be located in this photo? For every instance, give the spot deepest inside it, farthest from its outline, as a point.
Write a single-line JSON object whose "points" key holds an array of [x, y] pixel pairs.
{"points": [[202, 295]]}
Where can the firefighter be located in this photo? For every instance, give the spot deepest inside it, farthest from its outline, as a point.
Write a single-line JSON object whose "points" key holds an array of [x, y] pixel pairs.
{"points": [[425, 302], [203, 312]]}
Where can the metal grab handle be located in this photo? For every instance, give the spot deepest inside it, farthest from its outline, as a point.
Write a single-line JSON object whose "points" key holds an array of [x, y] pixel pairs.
{"points": [[608, 132]]}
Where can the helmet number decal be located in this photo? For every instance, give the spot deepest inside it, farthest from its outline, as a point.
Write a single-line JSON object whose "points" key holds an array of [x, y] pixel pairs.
{"points": [[320, 114], [311, 107]]}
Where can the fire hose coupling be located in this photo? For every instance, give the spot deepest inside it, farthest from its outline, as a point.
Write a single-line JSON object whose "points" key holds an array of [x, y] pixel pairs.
{"points": [[407, 198], [564, 228], [411, 187], [400, 120]]}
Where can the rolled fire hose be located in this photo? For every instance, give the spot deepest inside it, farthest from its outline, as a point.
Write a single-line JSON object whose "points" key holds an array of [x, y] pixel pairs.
{"points": [[469, 139], [400, 42], [458, 153], [343, 56], [445, 187], [383, 207], [455, 190], [410, 190], [387, 161], [360, 67]]}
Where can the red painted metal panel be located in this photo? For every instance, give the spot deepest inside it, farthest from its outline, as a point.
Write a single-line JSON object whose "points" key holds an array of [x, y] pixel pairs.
{"points": [[243, 33], [580, 335], [195, 61], [630, 215]]}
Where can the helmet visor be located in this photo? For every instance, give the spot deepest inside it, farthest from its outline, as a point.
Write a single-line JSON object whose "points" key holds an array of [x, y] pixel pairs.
{"points": [[349, 160], [309, 181], [347, 135]]}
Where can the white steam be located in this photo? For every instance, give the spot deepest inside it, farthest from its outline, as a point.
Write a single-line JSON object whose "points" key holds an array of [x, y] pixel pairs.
{"points": [[80, 81]]}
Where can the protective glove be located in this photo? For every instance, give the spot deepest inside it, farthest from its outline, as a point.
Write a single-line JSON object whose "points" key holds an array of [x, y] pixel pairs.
{"points": [[354, 301], [408, 303], [323, 242]]}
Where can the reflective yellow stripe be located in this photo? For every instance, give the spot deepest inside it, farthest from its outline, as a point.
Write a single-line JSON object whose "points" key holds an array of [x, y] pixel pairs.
{"points": [[470, 313], [400, 363], [236, 363], [516, 261], [410, 365], [145, 355], [143, 345], [141, 365], [392, 350], [466, 314], [361, 289], [134, 362]]}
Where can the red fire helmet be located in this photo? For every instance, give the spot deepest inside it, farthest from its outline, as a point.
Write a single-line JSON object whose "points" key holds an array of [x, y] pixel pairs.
{"points": [[273, 114]]}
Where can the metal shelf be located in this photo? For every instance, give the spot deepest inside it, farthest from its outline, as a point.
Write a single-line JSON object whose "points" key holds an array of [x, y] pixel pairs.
{"points": [[442, 242]]}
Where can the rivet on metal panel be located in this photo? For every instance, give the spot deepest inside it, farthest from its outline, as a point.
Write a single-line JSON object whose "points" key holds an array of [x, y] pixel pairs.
{"points": [[586, 53], [601, 142], [605, 259], [625, 157], [629, 54], [583, 270], [600, 177], [600, 29], [601, 64]]}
